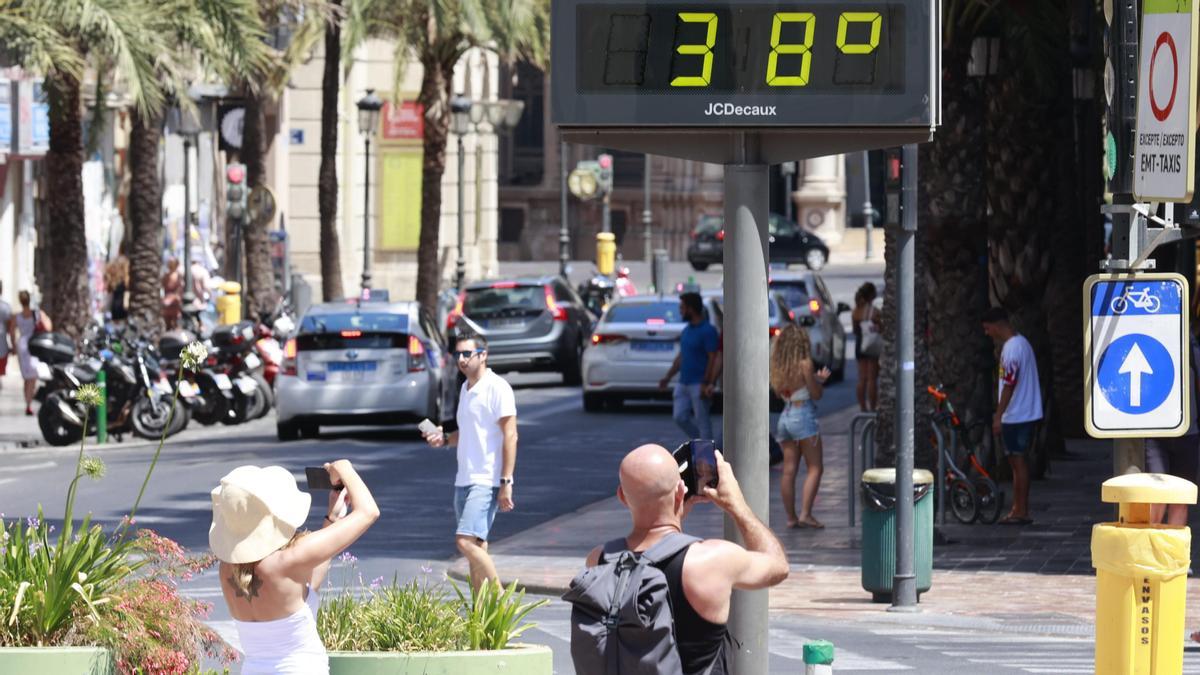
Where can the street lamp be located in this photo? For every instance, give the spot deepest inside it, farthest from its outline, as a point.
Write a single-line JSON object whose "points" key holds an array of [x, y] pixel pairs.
{"points": [[368, 122], [186, 123], [463, 112]]}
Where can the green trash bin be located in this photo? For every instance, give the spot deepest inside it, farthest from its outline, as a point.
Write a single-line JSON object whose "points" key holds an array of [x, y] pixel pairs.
{"points": [[879, 531]]}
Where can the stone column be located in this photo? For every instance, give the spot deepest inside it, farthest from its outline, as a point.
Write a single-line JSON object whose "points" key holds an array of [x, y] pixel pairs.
{"points": [[820, 197]]}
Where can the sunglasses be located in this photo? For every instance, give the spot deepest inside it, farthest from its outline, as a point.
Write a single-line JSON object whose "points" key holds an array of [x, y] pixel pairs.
{"points": [[468, 354]]}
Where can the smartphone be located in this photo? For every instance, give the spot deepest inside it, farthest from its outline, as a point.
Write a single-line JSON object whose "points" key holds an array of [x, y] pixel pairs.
{"points": [[697, 461], [318, 479], [427, 427]]}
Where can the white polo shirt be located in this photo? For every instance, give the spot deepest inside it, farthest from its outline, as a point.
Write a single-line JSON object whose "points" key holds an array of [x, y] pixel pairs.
{"points": [[1018, 369], [480, 439]]}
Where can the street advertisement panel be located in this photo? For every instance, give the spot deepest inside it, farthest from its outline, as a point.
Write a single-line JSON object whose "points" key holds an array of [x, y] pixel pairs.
{"points": [[1165, 142]]}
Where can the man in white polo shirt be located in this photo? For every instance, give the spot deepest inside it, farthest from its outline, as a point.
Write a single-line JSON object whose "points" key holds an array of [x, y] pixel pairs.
{"points": [[487, 453]]}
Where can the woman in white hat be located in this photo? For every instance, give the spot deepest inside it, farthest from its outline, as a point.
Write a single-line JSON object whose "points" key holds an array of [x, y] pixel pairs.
{"points": [[270, 573]]}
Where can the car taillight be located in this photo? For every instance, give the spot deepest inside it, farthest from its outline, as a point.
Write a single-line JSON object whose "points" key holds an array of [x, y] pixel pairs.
{"points": [[559, 313], [416, 354], [607, 339], [814, 306], [721, 235], [289, 357], [352, 333], [774, 331], [457, 312]]}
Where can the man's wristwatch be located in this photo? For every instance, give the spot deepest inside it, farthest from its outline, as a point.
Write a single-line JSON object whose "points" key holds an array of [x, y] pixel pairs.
{"points": [[506, 481]]}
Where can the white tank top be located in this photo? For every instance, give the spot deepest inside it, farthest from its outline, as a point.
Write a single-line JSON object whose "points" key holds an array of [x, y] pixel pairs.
{"points": [[287, 645], [800, 395]]}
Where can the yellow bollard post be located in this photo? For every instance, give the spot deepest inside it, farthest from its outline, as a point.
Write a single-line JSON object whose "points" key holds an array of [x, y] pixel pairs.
{"points": [[229, 303], [606, 253], [1141, 577]]}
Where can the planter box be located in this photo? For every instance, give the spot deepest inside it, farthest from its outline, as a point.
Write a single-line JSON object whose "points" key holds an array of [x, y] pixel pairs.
{"points": [[520, 660], [57, 660]]}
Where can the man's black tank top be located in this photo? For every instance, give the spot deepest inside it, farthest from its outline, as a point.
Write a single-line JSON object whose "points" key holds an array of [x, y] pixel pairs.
{"points": [[700, 641]]}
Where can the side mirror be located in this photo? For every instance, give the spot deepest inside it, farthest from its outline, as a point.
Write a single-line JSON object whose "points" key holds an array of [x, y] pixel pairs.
{"points": [[842, 307]]}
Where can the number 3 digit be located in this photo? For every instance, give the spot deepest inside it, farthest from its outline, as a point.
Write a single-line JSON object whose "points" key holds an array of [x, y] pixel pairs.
{"points": [[804, 49], [705, 49]]}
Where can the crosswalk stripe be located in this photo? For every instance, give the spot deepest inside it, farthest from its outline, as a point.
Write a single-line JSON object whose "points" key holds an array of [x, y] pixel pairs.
{"points": [[790, 645]]}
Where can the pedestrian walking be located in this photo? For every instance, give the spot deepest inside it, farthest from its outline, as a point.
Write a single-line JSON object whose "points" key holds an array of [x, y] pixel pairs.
{"points": [[1178, 456], [796, 380], [486, 442], [698, 348], [868, 346], [172, 301], [1019, 408], [657, 600], [271, 572], [22, 326], [116, 280], [5, 343]]}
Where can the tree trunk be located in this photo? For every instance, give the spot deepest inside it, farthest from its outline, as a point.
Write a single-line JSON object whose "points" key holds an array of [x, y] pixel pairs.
{"points": [[327, 178], [260, 282], [435, 97], [145, 220], [68, 300]]}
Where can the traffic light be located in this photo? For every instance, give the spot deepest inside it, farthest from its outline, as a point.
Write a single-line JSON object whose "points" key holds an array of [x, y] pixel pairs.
{"points": [[893, 182], [606, 172], [235, 191]]}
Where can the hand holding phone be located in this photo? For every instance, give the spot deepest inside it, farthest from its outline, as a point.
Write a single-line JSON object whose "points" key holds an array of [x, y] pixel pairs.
{"points": [[433, 433], [697, 462], [319, 479]]}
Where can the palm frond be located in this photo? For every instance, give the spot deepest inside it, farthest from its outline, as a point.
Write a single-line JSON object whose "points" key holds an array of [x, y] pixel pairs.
{"points": [[35, 44]]}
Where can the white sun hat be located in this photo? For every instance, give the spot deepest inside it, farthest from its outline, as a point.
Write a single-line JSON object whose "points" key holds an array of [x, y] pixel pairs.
{"points": [[256, 511]]}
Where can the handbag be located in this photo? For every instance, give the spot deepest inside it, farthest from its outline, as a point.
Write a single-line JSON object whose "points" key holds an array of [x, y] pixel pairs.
{"points": [[872, 341], [39, 326]]}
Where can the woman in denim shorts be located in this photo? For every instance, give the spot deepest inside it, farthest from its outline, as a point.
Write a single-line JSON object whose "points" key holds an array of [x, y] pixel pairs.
{"points": [[795, 380]]}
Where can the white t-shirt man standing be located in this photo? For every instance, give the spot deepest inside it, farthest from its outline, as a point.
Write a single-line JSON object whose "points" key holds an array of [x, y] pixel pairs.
{"points": [[1019, 407], [487, 454]]}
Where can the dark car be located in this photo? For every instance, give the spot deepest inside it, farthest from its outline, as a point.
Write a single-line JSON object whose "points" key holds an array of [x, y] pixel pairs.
{"points": [[530, 324], [789, 243]]}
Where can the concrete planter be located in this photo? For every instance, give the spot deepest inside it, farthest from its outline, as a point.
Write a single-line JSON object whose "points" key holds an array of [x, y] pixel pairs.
{"points": [[57, 660], [520, 660]]}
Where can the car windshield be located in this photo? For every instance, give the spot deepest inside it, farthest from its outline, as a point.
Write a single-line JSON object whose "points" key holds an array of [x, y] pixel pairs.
{"points": [[641, 312], [370, 322], [496, 298], [709, 225], [794, 292]]}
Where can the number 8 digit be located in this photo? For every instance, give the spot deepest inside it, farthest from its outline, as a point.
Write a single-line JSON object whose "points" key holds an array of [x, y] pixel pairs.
{"points": [[804, 49], [705, 49]]}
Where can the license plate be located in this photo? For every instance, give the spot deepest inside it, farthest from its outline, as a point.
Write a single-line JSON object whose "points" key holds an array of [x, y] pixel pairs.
{"points": [[223, 381], [187, 389], [163, 387], [706, 246], [246, 385], [351, 366], [652, 346], [252, 361], [503, 323]]}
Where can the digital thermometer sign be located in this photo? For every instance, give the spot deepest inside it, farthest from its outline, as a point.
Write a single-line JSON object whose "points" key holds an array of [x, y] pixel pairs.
{"points": [[834, 63]]}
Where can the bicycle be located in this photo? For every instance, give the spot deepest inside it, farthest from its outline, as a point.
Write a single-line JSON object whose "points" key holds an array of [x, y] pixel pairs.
{"points": [[973, 493]]}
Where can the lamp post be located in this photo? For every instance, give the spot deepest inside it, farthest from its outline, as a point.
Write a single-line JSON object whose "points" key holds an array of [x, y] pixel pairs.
{"points": [[503, 115], [187, 126], [368, 121], [461, 109]]}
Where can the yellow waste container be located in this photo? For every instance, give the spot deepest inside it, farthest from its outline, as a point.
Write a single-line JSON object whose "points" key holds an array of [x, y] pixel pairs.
{"points": [[229, 303], [606, 252], [1141, 577]]}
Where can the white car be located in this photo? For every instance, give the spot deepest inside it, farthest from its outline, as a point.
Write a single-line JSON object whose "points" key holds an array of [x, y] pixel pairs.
{"points": [[632, 348]]}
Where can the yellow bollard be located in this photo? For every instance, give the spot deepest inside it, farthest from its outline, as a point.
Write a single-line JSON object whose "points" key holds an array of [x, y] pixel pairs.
{"points": [[229, 303], [606, 253], [1141, 577]]}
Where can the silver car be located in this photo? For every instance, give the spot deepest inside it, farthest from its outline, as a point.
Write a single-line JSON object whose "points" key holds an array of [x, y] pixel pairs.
{"points": [[364, 363], [633, 347], [814, 308]]}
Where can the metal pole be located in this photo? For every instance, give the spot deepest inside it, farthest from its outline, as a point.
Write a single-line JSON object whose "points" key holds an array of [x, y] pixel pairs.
{"points": [[102, 409], [606, 221], [868, 215], [564, 235], [789, 175], [188, 296], [647, 218], [366, 273], [904, 584], [747, 202], [460, 265]]}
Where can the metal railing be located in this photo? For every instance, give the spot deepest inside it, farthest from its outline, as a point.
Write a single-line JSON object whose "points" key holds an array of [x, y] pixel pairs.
{"points": [[862, 441]]}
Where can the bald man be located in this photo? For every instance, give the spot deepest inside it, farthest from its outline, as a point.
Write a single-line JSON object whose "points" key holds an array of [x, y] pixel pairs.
{"points": [[701, 577]]}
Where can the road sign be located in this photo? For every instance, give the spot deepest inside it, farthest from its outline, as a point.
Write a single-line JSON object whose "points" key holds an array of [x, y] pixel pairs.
{"points": [[1135, 383], [1165, 143]]}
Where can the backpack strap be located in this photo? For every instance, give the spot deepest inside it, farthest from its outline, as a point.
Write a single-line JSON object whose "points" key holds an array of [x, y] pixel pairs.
{"points": [[613, 548]]}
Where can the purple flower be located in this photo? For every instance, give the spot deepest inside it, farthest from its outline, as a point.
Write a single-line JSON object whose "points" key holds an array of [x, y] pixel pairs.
{"points": [[348, 558], [426, 569], [376, 583], [32, 522]]}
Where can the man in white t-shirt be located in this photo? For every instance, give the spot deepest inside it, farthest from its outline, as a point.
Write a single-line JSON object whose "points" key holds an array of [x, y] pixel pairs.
{"points": [[487, 453], [1019, 408]]}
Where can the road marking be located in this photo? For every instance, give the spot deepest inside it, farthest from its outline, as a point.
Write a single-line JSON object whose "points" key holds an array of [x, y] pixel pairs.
{"points": [[790, 645], [33, 467], [547, 412]]}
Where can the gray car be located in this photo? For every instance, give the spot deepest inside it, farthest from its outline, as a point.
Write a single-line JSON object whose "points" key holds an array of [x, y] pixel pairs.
{"points": [[814, 308], [364, 363]]}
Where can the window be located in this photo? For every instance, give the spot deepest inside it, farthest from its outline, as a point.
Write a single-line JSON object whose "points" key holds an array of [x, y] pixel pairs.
{"points": [[356, 321], [562, 293], [512, 223], [522, 153], [502, 297], [794, 292], [642, 312]]}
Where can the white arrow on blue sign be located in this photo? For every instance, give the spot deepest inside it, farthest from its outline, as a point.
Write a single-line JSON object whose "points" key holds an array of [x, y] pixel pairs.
{"points": [[1137, 358]]}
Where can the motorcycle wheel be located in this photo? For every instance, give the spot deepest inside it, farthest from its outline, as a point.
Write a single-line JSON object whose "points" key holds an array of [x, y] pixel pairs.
{"points": [[243, 405], [56, 430], [183, 415], [150, 417], [213, 410], [264, 390]]}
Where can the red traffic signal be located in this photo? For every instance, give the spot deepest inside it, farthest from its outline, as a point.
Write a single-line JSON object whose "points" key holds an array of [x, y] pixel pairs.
{"points": [[235, 173], [605, 161]]}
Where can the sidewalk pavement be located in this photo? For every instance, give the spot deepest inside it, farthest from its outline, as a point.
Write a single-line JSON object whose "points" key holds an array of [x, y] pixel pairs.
{"points": [[17, 430], [1033, 579]]}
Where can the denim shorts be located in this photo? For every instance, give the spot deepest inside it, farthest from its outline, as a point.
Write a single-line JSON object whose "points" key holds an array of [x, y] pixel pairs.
{"points": [[475, 508], [1017, 437], [797, 422]]}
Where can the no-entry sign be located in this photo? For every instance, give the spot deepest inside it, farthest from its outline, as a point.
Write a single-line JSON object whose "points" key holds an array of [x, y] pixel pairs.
{"points": [[1166, 141]]}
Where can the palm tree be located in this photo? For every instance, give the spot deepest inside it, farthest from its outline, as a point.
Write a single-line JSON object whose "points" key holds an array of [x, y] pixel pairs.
{"points": [[213, 37], [438, 33], [327, 178], [114, 37]]}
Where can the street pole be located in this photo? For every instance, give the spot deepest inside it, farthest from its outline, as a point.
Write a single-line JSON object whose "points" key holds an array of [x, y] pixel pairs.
{"points": [[647, 243], [366, 273], [564, 235], [460, 265], [189, 297], [789, 189], [868, 216], [746, 420], [904, 583], [606, 221]]}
